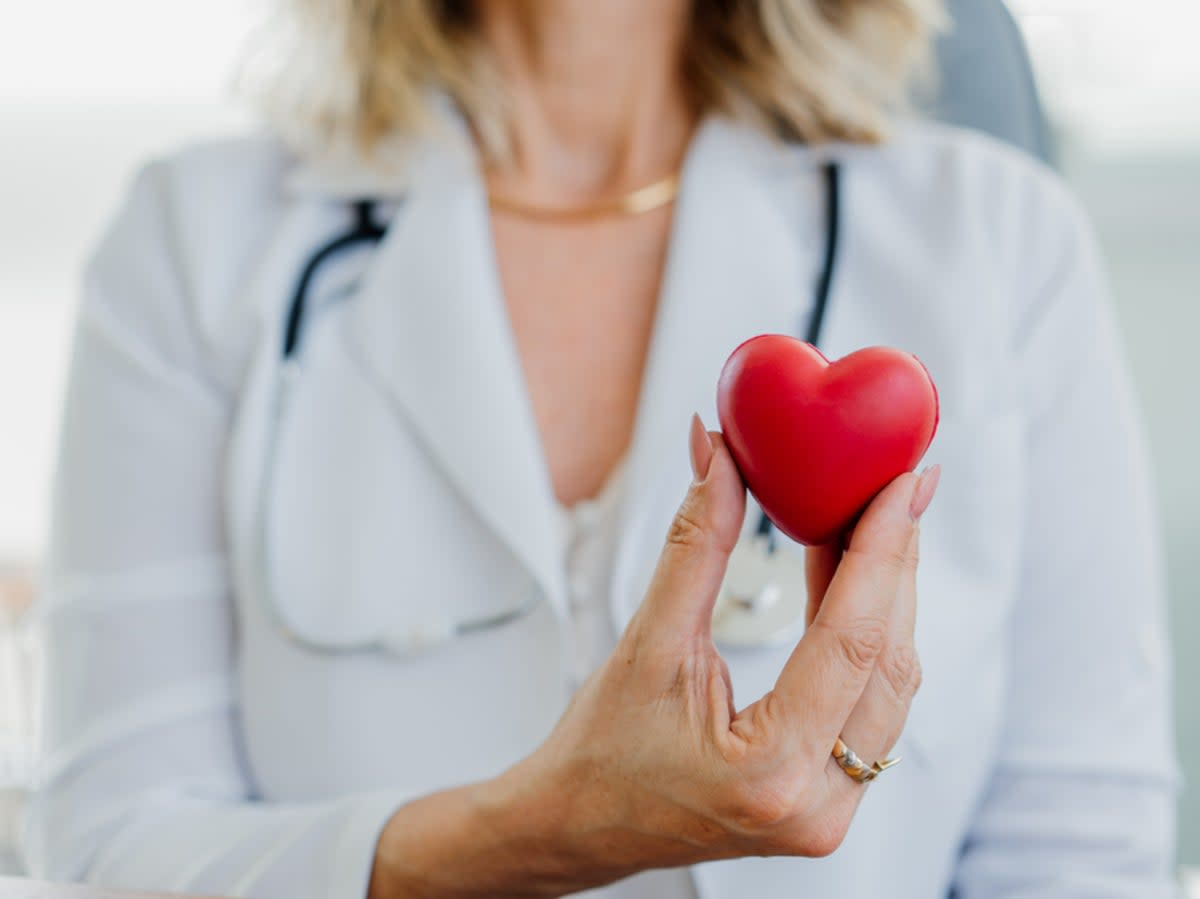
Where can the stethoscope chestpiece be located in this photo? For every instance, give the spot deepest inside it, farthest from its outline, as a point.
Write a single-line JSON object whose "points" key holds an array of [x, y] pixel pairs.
{"points": [[764, 596]]}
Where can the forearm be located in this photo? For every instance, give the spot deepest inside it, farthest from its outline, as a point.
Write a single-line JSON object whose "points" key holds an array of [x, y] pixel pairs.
{"points": [[163, 811], [537, 830], [496, 838]]}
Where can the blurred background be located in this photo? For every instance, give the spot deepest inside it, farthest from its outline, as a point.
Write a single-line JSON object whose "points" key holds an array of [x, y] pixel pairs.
{"points": [[88, 90]]}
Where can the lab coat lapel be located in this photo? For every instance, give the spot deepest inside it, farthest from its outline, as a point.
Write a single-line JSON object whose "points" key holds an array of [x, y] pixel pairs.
{"points": [[743, 260], [431, 326]]}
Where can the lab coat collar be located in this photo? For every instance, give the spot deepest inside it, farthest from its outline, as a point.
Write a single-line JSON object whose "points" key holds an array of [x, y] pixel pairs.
{"points": [[343, 171], [431, 325], [737, 266]]}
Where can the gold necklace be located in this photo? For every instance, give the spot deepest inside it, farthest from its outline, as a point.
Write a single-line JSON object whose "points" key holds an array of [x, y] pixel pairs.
{"points": [[636, 202]]}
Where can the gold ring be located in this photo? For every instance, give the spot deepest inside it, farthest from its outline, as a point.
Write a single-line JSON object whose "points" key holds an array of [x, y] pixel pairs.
{"points": [[855, 767]]}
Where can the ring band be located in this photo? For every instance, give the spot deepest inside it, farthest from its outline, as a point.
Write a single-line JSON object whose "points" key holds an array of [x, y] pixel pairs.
{"points": [[855, 767]]}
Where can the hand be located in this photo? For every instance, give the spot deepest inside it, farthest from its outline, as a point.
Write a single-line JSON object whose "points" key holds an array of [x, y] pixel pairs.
{"points": [[652, 766]]}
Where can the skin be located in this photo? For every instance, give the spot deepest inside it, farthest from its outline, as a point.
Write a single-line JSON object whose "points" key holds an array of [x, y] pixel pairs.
{"points": [[652, 765], [599, 109]]}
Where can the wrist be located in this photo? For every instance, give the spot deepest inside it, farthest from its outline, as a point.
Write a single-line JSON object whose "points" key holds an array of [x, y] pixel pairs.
{"points": [[534, 819], [502, 837]]}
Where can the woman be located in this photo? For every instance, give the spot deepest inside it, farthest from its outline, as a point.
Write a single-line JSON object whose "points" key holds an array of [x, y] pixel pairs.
{"points": [[484, 422]]}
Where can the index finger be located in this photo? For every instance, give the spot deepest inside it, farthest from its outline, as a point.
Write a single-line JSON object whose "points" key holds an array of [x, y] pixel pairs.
{"points": [[829, 668]]}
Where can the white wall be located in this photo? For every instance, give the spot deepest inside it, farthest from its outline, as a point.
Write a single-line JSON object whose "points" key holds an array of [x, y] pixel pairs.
{"points": [[87, 90]]}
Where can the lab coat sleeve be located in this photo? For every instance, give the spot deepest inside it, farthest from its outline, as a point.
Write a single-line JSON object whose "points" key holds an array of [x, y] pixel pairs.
{"points": [[1081, 804], [143, 783]]}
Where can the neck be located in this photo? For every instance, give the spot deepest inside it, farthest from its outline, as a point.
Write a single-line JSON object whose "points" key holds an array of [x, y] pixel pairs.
{"points": [[598, 103]]}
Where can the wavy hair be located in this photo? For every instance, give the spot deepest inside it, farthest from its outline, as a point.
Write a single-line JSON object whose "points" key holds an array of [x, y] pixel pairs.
{"points": [[354, 72]]}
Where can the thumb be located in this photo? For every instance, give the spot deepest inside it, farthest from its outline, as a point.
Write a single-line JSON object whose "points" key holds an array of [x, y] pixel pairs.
{"points": [[701, 537]]}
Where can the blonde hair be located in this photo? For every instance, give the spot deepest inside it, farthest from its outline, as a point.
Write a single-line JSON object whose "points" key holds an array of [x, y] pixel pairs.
{"points": [[354, 72]]}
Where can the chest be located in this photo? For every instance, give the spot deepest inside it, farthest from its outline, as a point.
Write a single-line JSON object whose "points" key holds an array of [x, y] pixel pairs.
{"points": [[403, 487], [581, 298], [371, 516]]}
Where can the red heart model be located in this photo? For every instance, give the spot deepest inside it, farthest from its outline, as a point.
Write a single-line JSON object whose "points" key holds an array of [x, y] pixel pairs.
{"points": [[815, 440]]}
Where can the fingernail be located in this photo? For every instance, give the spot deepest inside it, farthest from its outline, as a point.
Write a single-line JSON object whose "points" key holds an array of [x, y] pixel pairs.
{"points": [[923, 493], [700, 445]]}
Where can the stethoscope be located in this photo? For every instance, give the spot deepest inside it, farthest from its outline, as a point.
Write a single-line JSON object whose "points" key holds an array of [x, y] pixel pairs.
{"points": [[762, 601]]}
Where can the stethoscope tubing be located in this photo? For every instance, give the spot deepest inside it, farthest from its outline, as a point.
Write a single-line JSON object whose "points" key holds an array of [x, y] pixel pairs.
{"points": [[435, 631]]}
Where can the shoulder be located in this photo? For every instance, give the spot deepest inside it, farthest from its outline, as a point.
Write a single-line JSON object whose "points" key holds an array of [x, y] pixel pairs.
{"points": [[255, 161], [174, 260], [203, 199], [958, 171], [231, 184], [922, 146], [963, 195], [981, 245]]}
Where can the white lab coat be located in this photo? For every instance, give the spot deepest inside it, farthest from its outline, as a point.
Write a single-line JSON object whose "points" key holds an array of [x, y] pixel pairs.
{"points": [[191, 746]]}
